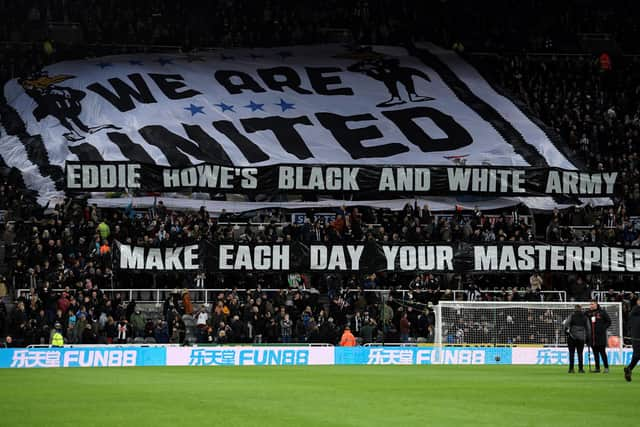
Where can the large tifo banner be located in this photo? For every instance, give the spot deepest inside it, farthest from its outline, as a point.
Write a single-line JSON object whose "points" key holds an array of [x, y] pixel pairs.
{"points": [[320, 105], [375, 256], [339, 179], [113, 356]]}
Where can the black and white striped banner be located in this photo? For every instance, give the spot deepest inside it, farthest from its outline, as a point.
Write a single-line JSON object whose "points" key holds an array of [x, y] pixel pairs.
{"points": [[262, 107]]}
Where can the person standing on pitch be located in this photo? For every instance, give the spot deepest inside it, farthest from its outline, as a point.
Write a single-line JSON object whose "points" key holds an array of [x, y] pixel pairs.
{"points": [[634, 329], [600, 322], [578, 329]]}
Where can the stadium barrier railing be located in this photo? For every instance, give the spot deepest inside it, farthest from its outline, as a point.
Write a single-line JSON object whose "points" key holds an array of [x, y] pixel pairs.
{"points": [[115, 345], [605, 296], [205, 296], [560, 296]]}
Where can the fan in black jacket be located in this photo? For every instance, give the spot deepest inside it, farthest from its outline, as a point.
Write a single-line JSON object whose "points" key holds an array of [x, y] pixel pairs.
{"points": [[634, 329], [578, 329], [600, 322]]}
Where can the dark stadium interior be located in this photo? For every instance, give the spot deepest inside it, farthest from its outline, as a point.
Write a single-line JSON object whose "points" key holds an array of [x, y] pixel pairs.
{"points": [[575, 65]]}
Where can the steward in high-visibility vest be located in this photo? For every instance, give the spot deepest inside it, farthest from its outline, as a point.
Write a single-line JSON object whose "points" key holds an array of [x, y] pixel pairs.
{"points": [[57, 340]]}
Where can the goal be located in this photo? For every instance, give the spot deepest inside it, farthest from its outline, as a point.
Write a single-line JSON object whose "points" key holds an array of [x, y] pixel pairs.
{"points": [[474, 323]]}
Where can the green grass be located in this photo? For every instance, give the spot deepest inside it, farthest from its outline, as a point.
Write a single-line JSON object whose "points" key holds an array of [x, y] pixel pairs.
{"points": [[317, 396]]}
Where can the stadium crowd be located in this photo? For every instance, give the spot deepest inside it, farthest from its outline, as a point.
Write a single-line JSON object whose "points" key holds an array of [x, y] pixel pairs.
{"points": [[89, 316], [75, 29], [71, 250], [592, 104], [281, 22]]}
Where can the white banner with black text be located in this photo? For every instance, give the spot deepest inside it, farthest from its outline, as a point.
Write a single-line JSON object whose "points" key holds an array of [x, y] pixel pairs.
{"points": [[246, 108]]}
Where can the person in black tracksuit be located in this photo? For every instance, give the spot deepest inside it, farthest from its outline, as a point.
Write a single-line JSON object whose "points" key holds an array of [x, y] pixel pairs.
{"points": [[578, 329], [600, 322], [634, 330]]}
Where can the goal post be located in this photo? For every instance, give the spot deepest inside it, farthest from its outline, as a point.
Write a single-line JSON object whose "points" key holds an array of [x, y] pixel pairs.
{"points": [[513, 324]]}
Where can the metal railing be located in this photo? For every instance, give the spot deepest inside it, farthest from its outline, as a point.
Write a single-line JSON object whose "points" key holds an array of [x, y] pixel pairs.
{"points": [[204, 296], [601, 296], [198, 295], [102, 345], [182, 345], [395, 344], [561, 296]]}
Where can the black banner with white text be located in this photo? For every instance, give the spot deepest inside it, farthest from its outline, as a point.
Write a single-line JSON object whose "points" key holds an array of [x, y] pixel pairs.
{"points": [[340, 179], [369, 257]]}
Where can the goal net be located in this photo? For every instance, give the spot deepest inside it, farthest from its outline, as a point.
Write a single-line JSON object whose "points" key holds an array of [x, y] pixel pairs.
{"points": [[512, 323]]}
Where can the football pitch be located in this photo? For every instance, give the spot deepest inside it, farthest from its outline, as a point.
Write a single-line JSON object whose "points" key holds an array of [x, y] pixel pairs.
{"points": [[317, 396]]}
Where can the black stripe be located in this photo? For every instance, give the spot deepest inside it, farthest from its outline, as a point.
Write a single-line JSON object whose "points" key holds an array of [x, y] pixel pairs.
{"points": [[33, 144], [484, 110], [130, 150], [86, 152], [488, 113], [3, 164], [14, 177], [551, 134], [251, 151]]}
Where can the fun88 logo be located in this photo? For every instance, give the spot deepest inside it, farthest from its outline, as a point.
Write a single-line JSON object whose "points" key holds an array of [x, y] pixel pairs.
{"points": [[99, 358], [73, 358], [269, 356], [451, 356], [249, 356]]}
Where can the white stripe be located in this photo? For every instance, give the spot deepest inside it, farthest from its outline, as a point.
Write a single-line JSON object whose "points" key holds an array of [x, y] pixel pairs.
{"points": [[15, 155], [532, 134]]}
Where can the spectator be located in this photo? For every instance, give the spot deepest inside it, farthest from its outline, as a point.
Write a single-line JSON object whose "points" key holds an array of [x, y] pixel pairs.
{"points": [[7, 343], [201, 324], [88, 335], [137, 323], [347, 340], [285, 329], [405, 327], [104, 230], [57, 340], [186, 301], [123, 331], [535, 282]]}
